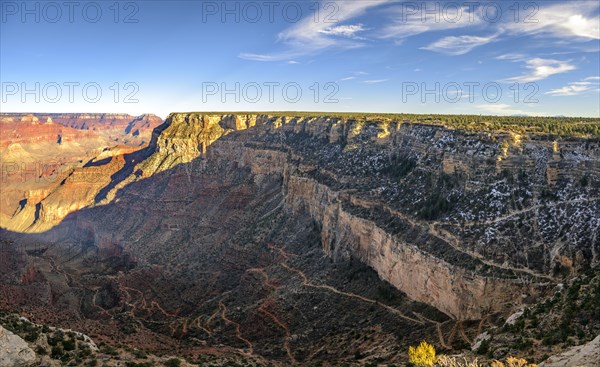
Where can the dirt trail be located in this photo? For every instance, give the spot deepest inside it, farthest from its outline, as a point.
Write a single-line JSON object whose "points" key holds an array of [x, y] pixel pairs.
{"points": [[162, 310], [462, 332], [264, 307], [286, 341], [141, 299], [307, 283], [448, 237], [57, 269], [528, 209], [452, 334], [141, 304], [453, 241], [238, 332], [211, 317], [262, 272], [196, 321], [481, 324], [438, 328]]}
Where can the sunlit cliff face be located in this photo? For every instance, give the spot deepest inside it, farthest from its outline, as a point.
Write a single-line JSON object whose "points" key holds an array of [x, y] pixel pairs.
{"points": [[62, 160]]}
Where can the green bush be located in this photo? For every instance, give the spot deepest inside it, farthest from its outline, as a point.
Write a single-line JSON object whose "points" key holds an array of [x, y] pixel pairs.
{"points": [[140, 354], [56, 352], [173, 362], [69, 344]]}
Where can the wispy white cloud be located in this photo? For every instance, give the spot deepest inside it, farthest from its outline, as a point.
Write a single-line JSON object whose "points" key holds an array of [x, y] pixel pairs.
{"points": [[309, 37], [375, 81], [259, 57], [406, 24], [511, 57], [355, 75], [293, 62], [569, 90], [459, 45], [576, 88], [540, 69], [575, 19], [345, 30]]}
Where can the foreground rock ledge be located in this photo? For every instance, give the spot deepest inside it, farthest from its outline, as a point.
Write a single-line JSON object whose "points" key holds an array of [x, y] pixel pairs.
{"points": [[14, 351]]}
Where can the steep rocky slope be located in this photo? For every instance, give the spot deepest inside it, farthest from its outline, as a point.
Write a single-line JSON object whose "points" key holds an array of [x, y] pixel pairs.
{"points": [[52, 158], [241, 218]]}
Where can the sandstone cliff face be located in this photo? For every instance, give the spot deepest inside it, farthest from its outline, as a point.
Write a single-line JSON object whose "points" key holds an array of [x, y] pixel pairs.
{"points": [[455, 291], [184, 137], [127, 129], [181, 139], [44, 162]]}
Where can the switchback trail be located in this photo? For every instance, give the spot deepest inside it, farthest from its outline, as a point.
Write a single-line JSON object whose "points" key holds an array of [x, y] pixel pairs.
{"points": [[238, 332], [307, 283], [264, 308], [286, 341], [438, 328]]}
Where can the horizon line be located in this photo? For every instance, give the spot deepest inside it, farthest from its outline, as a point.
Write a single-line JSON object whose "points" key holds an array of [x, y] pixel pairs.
{"points": [[324, 113]]}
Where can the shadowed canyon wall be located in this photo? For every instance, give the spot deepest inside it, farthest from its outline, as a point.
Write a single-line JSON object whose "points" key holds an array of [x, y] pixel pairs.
{"points": [[470, 223]]}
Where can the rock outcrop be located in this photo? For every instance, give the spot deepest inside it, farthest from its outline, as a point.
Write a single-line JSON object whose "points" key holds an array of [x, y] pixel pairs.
{"points": [[14, 351], [587, 355]]}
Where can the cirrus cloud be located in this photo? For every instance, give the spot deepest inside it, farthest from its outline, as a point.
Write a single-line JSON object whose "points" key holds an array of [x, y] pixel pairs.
{"points": [[345, 30], [576, 88], [459, 45], [309, 37], [540, 69]]}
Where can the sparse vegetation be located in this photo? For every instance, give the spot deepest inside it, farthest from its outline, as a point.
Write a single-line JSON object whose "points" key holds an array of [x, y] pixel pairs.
{"points": [[173, 362], [452, 361], [560, 126], [447, 361], [567, 318], [512, 362]]}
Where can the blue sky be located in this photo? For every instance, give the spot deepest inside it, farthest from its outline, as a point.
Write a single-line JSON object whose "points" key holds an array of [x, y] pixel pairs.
{"points": [[504, 57]]}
